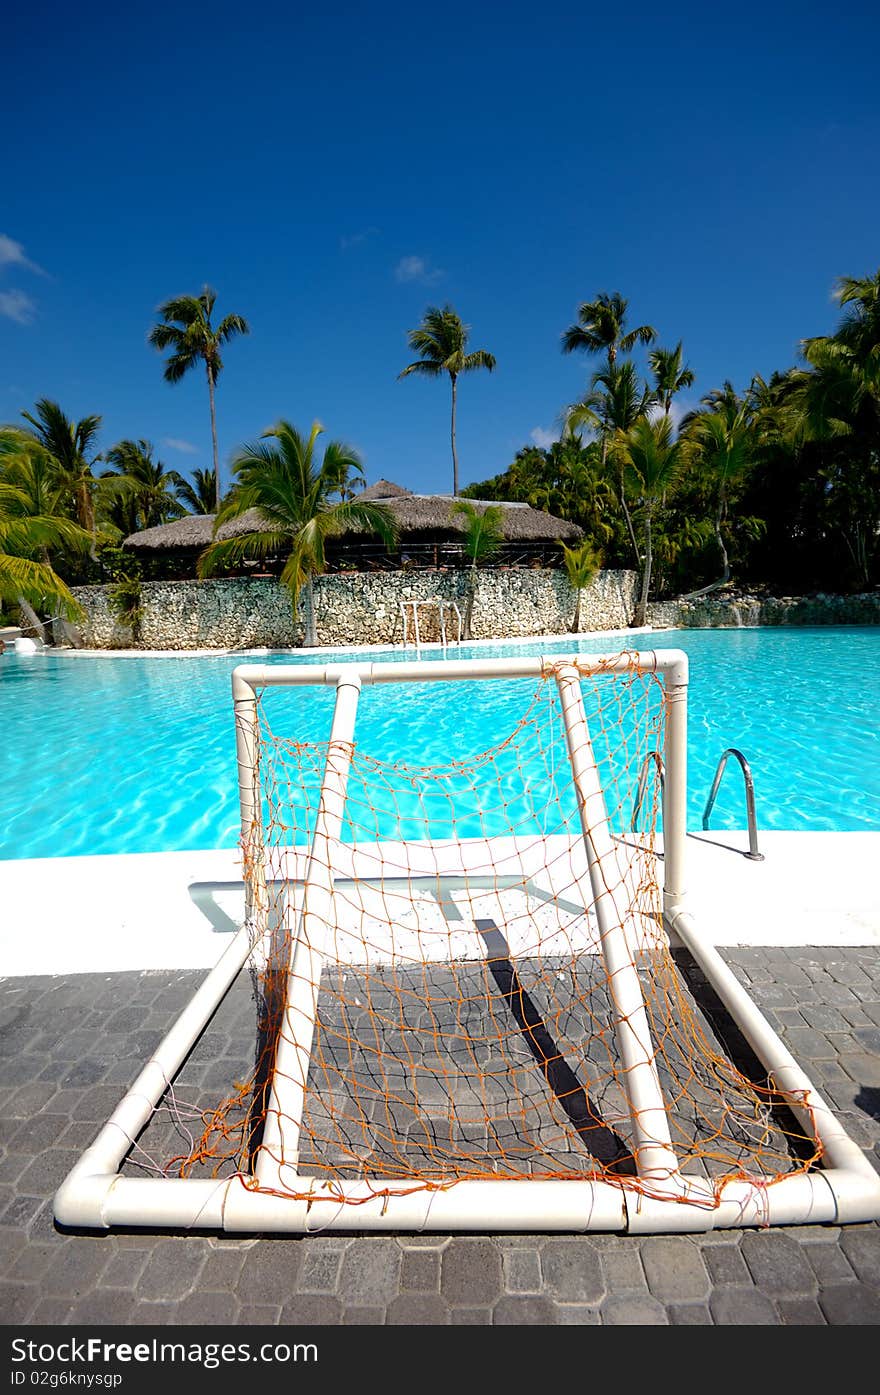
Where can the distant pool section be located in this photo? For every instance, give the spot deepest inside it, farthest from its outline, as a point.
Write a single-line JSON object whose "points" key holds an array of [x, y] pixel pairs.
{"points": [[106, 754]]}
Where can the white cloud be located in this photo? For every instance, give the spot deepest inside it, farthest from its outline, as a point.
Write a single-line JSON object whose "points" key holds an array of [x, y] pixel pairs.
{"points": [[677, 410], [543, 438], [15, 305], [12, 254], [175, 443], [417, 269], [355, 239]]}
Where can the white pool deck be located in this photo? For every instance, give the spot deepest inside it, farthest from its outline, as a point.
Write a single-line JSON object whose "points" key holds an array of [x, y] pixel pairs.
{"points": [[166, 911]]}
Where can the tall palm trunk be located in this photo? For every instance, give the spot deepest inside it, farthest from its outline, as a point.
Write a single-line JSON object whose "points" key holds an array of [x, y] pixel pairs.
{"points": [[310, 637], [214, 436], [454, 452], [33, 620], [469, 601], [623, 504], [642, 608]]}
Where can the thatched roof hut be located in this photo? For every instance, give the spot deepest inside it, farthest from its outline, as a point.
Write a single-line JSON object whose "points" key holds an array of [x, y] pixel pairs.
{"points": [[429, 532]]}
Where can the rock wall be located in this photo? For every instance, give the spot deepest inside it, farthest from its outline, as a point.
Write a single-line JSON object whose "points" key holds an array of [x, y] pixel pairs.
{"points": [[735, 611], [354, 608]]}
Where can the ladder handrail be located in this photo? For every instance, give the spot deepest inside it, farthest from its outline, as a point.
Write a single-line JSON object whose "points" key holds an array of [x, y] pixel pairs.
{"points": [[753, 855], [656, 757]]}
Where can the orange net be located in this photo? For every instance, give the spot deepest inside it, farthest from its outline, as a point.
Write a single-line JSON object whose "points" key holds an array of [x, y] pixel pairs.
{"points": [[433, 998]]}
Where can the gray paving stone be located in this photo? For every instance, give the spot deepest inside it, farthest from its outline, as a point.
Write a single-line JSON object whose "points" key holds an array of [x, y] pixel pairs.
{"points": [[418, 1310], [209, 1308], [222, 1269], [689, 1315], [149, 1314], [123, 1270], [172, 1270], [861, 1245], [777, 1265], [420, 1271], [850, 1305], [577, 1315], [319, 1272], [269, 1273], [726, 1265], [30, 1262], [674, 1269], [522, 1270], [471, 1317], [572, 1271], [864, 1068], [17, 1301], [470, 1273], [50, 1312], [524, 1312], [76, 1269], [102, 1306], [633, 1310], [21, 1211], [829, 1264], [363, 1317], [259, 1315], [311, 1309], [731, 1304], [801, 1312], [807, 1045], [370, 1272]]}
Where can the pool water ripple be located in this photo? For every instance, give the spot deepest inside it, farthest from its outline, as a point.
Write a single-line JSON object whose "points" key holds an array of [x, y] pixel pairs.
{"points": [[111, 755]]}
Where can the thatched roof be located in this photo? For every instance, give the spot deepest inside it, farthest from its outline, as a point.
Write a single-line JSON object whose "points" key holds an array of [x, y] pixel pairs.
{"points": [[415, 514], [384, 489]]}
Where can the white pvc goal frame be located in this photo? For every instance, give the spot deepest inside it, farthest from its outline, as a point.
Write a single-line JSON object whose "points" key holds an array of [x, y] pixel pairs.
{"points": [[97, 1195]]}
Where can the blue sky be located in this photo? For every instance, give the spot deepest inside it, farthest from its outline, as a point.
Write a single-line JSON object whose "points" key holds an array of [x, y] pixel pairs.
{"points": [[332, 174]]}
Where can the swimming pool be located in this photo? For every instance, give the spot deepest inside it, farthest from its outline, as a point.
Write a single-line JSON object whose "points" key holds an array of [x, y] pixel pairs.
{"points": [[122, 755]]}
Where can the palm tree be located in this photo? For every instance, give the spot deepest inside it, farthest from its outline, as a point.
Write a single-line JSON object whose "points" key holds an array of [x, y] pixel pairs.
{"points": [[670, 374], [581, 565], [198, 493], [654, 459], [297, 496], [71, 444], [146, 487], [721, 444], [483, 536], [600, 329], [187, 331], [616, 400], [441, 339], [32, 525]]}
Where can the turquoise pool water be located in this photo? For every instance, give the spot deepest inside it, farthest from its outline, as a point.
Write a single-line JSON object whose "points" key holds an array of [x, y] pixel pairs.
{"points": [[115, 755]]}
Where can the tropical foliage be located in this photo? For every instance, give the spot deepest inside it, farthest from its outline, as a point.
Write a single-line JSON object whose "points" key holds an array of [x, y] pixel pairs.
{"points": [[441, 342], [774, 483], [581, 565], [299, 495], [186, 330], [482, 540]]}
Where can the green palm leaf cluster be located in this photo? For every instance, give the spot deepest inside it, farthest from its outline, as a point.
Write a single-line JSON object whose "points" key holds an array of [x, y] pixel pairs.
{"points": [[186, 331], [441, 341], [299, 495], [147, 492], [33, 528]]}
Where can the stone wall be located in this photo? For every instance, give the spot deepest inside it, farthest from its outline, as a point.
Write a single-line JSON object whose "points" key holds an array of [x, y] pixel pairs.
{"points": [[354, 608], [735, 611]]}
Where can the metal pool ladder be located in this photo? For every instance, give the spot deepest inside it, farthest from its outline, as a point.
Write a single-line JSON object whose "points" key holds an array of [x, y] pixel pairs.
{"points": [[753, 855], [657, 759], [654, 757]]}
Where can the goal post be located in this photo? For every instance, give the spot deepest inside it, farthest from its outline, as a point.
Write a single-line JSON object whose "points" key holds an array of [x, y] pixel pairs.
{"points": [[472, 1006]]}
